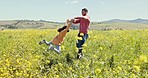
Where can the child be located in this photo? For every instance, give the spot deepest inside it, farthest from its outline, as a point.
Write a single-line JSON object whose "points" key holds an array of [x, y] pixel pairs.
{"points": [[58, 40]]}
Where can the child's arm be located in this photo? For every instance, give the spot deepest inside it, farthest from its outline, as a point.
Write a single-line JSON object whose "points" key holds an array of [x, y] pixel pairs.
{"points": [[69, 23]]}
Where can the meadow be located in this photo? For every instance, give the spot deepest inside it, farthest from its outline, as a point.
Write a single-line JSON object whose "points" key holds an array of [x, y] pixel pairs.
{"points": [[107, 54]]}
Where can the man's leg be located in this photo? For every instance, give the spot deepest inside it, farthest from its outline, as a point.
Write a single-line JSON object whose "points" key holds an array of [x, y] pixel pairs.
{"points": [[79, 44]]}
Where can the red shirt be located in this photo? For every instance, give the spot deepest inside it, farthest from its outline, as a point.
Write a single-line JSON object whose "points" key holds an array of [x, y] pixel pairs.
{"points": [[84, 23]]}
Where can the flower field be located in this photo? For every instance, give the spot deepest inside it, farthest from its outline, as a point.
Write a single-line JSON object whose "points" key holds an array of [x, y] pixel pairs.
{"points": [[107, 54]]}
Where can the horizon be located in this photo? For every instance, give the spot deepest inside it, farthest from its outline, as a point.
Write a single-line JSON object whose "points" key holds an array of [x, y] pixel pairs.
{"points": [[63, 21], [99, 10]]}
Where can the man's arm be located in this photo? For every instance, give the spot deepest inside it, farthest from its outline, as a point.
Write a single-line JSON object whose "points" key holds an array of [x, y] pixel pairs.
{"points": [[81, 17], [76, 21]]}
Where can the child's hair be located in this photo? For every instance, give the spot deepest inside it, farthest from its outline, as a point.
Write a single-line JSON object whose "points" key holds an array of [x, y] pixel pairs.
{"points": [[61, 29]]}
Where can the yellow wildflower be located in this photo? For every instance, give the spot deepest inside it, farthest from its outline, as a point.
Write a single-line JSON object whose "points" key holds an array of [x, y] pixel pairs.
{"points": [[63, 47], [132, 76], [119, 68], [84, 45], [101, 48], [79, 38], [70, 68], [48, 61], [94, 56], [136, 68], [81, 77], [95, 37], [97, 71], [57, 76], [136, 62], [81, 34], [60, 64], [143, 59]]}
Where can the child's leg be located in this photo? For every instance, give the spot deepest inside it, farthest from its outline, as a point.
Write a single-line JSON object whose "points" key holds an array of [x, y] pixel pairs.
{"points": [[57, 49], [51, 46], [48, 43]]}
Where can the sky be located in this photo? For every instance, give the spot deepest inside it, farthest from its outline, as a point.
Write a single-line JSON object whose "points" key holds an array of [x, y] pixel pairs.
{"points": [[60, 10]]}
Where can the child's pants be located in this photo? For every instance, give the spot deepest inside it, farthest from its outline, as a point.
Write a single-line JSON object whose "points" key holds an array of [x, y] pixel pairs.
{"points": [[57, 47]]}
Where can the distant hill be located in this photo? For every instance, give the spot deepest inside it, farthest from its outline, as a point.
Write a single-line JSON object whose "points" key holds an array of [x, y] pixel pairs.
{"points": [[139, 20], [28, 24], [114, 24], [119, 24]]}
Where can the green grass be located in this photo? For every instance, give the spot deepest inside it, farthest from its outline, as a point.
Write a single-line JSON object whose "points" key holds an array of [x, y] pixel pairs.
{"points": [[129, 26], [108, 54]]}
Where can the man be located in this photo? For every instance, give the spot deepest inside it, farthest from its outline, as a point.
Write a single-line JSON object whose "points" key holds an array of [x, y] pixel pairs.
{"points": [[84, 22]]}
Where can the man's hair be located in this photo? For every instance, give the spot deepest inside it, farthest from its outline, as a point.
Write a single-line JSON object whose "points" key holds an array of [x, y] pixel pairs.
{"points": [[84, 9], [61, 29]]}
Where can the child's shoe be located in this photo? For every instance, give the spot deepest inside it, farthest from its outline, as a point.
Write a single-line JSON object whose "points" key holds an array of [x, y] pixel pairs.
{"points": [[42, 42]]}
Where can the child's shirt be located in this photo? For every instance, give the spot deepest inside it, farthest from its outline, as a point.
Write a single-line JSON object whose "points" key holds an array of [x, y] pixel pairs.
{"points": [[58, 40]]}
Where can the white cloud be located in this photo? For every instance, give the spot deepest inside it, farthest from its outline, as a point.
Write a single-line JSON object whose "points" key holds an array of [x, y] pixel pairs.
{"points": [[72, 1], [102, 2], [76, 1], [66, 2]]}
